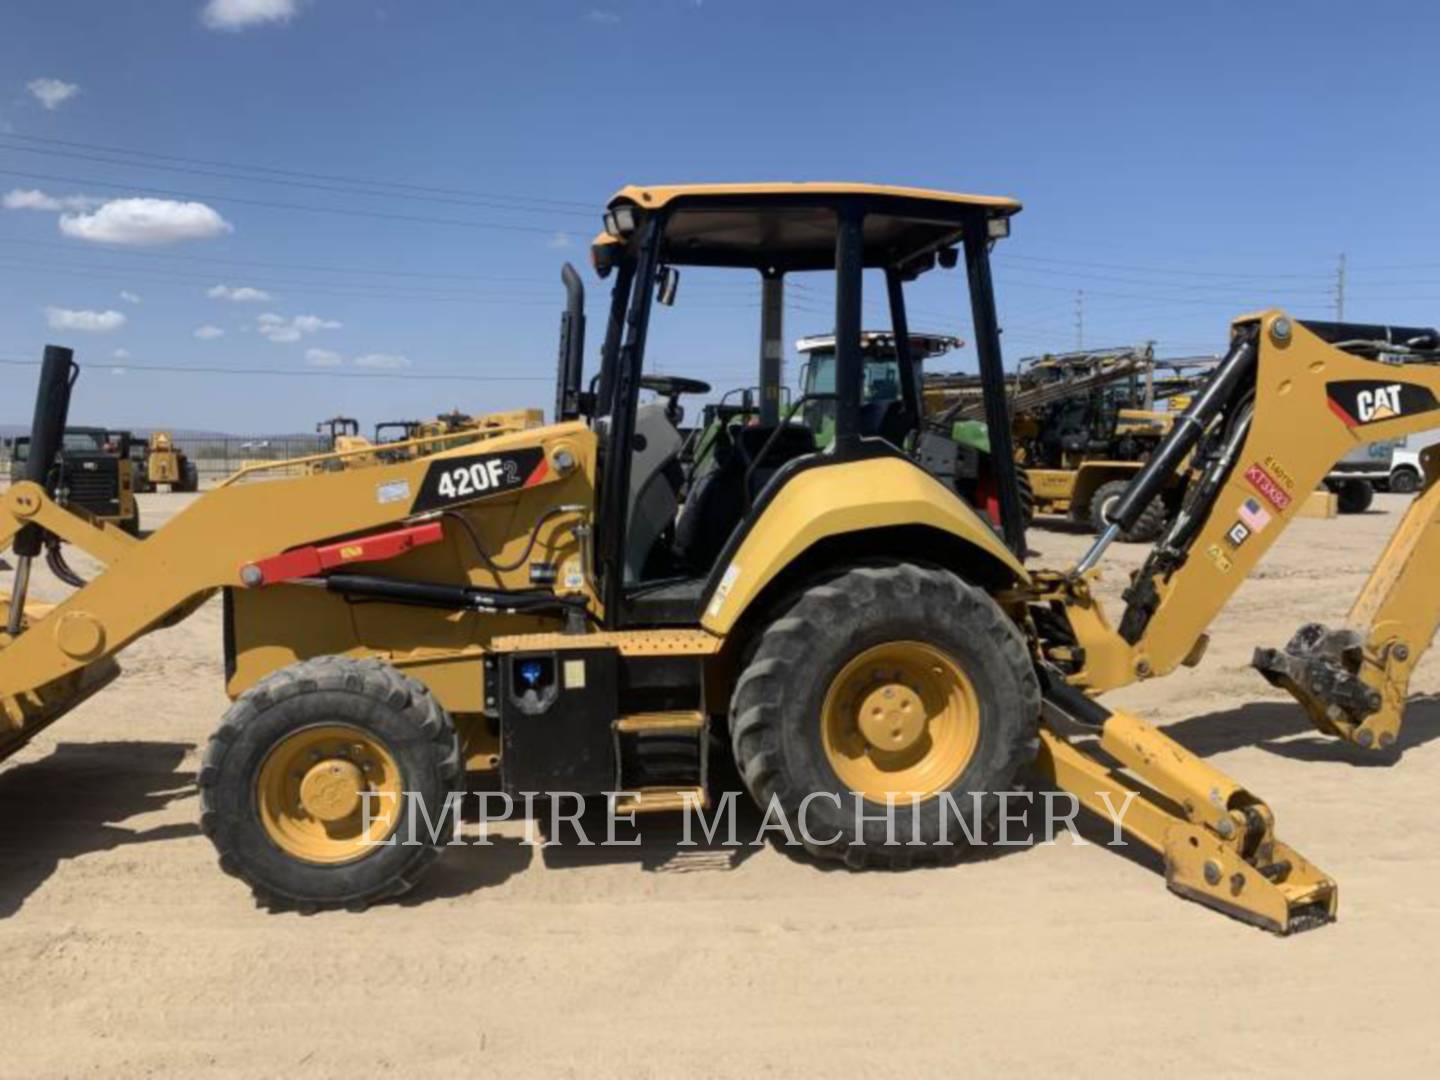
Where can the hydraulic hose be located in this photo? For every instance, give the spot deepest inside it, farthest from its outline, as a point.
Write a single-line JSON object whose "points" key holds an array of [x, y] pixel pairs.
{"points": [[1234, 371]]}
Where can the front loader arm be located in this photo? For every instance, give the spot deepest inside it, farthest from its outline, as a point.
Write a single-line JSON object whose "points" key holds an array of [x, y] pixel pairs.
{"points": [[208, 546]]}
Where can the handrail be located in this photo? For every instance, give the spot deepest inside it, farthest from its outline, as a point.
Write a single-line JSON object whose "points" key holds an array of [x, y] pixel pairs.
{"points": [[466, 435]]}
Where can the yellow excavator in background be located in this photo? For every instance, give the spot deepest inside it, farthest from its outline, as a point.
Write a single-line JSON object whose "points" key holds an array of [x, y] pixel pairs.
{"points": [[564, 607]]}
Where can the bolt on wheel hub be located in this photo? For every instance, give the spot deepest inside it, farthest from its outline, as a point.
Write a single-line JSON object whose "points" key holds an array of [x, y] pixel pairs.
{"points": [[331, 789], [328, 793], [900, 719], [892, 717]]}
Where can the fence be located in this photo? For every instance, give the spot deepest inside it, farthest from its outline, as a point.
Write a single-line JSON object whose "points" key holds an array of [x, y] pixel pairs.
{"points": [[217, 458]]}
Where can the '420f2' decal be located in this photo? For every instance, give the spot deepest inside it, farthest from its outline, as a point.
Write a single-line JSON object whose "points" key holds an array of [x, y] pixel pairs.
{"points": [[1368, 401], [451, 481]]}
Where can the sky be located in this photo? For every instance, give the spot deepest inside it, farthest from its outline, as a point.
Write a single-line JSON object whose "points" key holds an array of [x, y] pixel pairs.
{"points": [[246, 215]]}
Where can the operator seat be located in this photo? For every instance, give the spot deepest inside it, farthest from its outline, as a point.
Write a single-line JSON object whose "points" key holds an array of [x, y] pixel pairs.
{"points": [[717, 500], [885, 419], [655, 480]]}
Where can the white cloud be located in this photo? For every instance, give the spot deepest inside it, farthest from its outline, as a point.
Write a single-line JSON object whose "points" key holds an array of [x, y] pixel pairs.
{"points": [[381, 360], [31, 199], [239, 14], [240, 294], [129, 297], [122, 354], [146, 222], [600, 15], [92, 322], [52, 93], [323, 358], [282, 330], [559, 240], [208, 332]]}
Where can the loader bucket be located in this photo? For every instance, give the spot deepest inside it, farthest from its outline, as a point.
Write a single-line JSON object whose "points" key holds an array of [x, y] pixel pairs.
{"points": [[24, 717]]}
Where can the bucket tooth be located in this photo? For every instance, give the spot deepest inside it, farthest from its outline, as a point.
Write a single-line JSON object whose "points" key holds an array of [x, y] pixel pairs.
{"points": [[22, 718]]}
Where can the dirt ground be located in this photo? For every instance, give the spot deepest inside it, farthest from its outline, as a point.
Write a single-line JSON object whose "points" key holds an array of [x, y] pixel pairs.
{"points": [[125, 952]]}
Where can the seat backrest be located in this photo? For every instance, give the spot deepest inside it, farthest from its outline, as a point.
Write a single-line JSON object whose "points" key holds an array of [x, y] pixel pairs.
{"points": [[885, 419], [716, 502]]}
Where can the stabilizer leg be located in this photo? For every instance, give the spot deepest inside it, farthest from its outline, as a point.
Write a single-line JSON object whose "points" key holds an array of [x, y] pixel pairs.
{"points": [[1217, 839]]}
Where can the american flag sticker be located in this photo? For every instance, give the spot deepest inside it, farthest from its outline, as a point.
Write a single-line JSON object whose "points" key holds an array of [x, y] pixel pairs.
{"points": [[1254, 515]]}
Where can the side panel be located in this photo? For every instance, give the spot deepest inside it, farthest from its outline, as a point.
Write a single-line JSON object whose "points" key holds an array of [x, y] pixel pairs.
{"points": [[838, 499]]}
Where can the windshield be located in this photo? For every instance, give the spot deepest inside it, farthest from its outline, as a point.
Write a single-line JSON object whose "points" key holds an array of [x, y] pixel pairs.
{"points": [[84, 440]]}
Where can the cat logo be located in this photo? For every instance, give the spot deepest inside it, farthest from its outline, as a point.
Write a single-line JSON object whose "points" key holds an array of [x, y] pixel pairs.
{"points": [[1369, 401], [1382, 403]]}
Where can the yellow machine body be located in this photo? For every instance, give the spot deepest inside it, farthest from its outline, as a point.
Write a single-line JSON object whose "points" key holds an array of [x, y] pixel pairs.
{"points": [[461, 553]]}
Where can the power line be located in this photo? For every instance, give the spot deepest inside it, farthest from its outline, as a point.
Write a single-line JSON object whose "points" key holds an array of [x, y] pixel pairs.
{"points": [[1181, 272], [1340, 289], [272, 205], [316, 373], [575, 203], [308, 185], [262, 264]]}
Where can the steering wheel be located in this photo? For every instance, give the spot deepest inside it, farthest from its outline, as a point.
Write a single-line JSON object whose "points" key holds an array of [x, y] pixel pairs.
{"points": [[672, 386]]}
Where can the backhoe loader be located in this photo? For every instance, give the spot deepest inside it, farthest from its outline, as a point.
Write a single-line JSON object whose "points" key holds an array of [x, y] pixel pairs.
{"points": [[565, 608]]}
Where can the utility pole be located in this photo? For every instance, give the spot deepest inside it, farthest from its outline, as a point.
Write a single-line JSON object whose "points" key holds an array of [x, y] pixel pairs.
{"points": [[1340, 289], [772, 346], [1079, 319]]}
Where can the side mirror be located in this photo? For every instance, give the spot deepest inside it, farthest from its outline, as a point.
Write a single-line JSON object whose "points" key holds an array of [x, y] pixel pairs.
{"points": [[667, 286]]}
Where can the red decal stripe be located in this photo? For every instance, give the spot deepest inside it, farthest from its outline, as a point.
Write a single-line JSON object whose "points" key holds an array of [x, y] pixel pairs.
{"points": [[1338, 410], [541, 471]]}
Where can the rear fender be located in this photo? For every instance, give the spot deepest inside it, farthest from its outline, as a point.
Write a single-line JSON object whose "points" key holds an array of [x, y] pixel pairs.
{"points": [[884, 506]]}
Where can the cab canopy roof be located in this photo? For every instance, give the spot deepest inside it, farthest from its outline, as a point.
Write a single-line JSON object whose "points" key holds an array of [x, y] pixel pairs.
{"points": [[792, 226]]}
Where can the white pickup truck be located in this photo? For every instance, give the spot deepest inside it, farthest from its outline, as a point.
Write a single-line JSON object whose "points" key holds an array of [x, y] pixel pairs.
{"points": [[1393, 467]]}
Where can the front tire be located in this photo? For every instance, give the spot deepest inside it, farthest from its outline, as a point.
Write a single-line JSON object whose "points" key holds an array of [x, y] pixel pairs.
{"points": [[284, 781], [886, 680], [1354, 496]]}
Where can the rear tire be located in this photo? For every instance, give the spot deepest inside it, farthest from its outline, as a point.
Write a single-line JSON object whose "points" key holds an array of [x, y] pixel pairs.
{"points": [[266, 810], [1404, 482], [1027, 496], [1148, 526], [785, 713]]}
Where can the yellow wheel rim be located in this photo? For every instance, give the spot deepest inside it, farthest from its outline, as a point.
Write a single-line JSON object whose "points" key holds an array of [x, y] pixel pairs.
{"points": [[313, 789], [900, 718]]}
